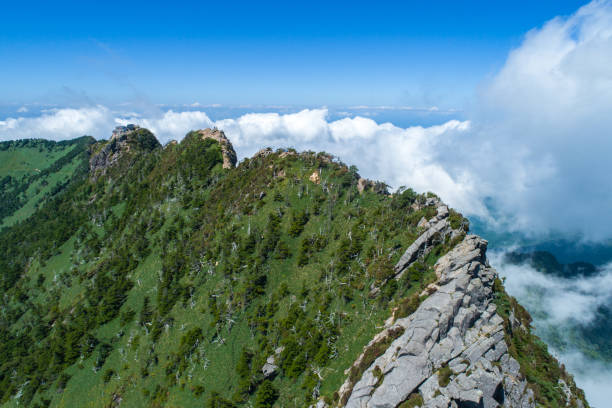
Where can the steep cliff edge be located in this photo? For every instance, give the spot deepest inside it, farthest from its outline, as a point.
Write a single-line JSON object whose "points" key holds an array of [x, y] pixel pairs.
{"points": [[453, 350], [227, 150]]}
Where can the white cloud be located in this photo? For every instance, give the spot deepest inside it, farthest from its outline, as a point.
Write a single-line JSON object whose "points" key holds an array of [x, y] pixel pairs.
{"points": [[574, 300], [563, 305], [542, 134], [58, 124], [170, 124], [274, 129]]}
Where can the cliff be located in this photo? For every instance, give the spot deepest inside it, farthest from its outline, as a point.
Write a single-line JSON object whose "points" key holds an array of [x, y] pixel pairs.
{"points": [[452, 350], [229, 155], [124, 140]]}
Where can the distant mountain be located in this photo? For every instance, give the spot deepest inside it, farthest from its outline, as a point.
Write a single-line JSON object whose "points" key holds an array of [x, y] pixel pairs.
{"points": [[546, 262], [566, 249], [172, 276]]}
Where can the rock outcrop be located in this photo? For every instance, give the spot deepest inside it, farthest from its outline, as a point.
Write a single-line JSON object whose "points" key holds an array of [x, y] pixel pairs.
{"points": [[437, 229], [229, 155], [452, 352], [270, 368], [376, 186], [123, 140], [315, 177]]}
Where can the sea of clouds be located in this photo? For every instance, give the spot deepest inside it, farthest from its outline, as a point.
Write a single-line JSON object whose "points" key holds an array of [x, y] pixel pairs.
{"points": [[536, 147], [559, 306]]}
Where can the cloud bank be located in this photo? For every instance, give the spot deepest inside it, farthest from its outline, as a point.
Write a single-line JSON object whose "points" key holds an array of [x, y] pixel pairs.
{"points": [[543, 128], [559, 306]]}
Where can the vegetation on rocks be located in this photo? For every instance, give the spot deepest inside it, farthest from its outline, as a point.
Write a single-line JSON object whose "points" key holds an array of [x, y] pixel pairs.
{"points": [[543, 371]]}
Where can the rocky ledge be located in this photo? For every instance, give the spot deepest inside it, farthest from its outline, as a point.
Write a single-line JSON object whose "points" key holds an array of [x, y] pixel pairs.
{"points": [[123, 140], [229, 155], [452, 351]]}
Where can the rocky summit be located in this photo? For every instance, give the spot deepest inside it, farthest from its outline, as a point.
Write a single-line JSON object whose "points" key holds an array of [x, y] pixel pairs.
{"points": [[136, 275]]}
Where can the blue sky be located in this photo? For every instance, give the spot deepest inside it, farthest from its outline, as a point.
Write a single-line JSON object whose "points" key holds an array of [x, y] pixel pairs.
{"points": [[309, 53]]}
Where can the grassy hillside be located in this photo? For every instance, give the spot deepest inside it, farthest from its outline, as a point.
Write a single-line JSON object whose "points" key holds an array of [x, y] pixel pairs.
{"points": [[169, 281], [32, 170]]}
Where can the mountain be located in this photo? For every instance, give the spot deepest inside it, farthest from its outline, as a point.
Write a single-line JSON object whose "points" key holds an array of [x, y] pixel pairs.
{"points": [[173, 276]]}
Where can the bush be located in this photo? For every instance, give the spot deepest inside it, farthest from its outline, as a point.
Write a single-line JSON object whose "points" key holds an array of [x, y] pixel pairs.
{"points": [[298, 221], [215, 400], [413, 401], [108, 374], [266, 395]]}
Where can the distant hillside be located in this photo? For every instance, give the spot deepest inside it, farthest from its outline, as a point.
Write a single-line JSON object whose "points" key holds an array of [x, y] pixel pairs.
{"points": [[172, 276], [33, 170]]}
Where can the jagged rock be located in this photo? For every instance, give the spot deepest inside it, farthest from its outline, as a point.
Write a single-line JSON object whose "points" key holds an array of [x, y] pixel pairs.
{"points": [[229, 155], [315, 178], [287, 154], [122, 130], [457, 327], [423, 223], [270, 368], [122, 140], [376, 186], [438, 227], [362, 184], [320, 404], [263, 153]]}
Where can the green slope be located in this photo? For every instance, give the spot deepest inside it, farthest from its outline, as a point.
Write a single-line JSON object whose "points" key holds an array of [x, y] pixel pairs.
{"points": [[32, 170], [169, 281]]}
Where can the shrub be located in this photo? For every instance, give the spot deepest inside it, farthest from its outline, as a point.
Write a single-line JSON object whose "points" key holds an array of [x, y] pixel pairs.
{"points": [[108, 374], [266, 395], [413, 401], [298, 221], [444, 375]]}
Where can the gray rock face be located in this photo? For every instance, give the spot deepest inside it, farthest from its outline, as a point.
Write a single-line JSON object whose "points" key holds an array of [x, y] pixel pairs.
{"points": [[270, 368], [452, 351], [436, 230], [229, 155], [122, 140]]}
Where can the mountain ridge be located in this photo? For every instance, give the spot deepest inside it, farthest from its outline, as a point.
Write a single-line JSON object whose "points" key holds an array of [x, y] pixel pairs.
{"points": [[175, 261]]}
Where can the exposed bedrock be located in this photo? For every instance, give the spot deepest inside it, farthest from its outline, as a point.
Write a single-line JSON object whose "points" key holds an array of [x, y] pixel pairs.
{"points": [[452, 351]]}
